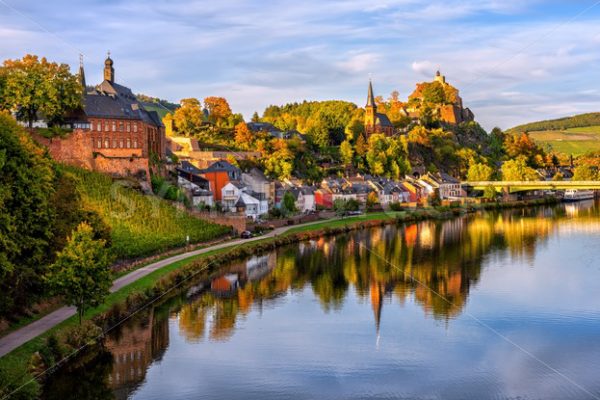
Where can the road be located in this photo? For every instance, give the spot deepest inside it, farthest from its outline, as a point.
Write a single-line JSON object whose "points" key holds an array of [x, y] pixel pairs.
{"points": [[22, 335]]}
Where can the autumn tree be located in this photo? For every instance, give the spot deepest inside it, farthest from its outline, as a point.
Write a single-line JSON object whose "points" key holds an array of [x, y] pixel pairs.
{"points": [[346, 152], [480, 172], [255, 117], [34, 88], [585, 172], [81, 273], [218, 109], [278, 160], [518, 170], [386, 156], [243, 136], [189, 117]]}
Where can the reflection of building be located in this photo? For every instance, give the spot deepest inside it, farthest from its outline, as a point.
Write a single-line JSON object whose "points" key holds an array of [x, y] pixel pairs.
{"points": [[134, 348]]}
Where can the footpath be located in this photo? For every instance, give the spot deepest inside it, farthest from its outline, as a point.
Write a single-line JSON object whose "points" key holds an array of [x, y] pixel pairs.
{"points": [[22, 335]]}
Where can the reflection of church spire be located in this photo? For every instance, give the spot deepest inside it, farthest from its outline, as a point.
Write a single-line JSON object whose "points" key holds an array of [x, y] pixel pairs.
{"points": [[376, 303]]}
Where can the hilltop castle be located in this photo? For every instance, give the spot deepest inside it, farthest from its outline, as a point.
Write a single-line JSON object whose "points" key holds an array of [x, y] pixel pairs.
{"points": [[442, 98], [112, 133]]}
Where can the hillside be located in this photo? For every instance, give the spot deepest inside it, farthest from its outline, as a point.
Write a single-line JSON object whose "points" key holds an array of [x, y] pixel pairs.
{"points": [[140, 225], [574, 135], [576, 121]]}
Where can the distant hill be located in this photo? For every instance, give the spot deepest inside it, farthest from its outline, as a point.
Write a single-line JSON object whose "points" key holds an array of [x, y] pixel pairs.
{"points": [[574, 135], [576, 121], [162, 107]]}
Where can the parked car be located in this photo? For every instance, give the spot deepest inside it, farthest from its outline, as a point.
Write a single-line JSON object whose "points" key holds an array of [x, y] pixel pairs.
{"points": [[246, 235]]}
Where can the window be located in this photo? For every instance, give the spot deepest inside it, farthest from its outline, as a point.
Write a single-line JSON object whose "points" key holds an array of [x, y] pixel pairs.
{"points": [[128, 143], [105, 126], [135, 126], [114, 126], [135, 143], [128, 127], [121, 126], [107, 143], [98, 126], [99, 143], [121, 143], [114, 143]]}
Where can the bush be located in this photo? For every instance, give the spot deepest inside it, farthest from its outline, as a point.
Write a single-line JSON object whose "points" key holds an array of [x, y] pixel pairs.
{"points": [[396, 206]]}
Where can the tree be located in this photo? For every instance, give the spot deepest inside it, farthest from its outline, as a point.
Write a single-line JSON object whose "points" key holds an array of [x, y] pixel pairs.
{"points": [[218, 109], [517, 170], [585, 172], [346, 152], [32, 86], [255, 117], [189, 117], [81, 273], [372, 200], [243, 136], [480, 172], [288, 203], [361, 146]]}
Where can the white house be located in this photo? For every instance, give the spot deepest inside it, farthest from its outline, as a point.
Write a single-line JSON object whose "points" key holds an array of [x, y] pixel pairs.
{"points": [[237, 197], [256, 180]]}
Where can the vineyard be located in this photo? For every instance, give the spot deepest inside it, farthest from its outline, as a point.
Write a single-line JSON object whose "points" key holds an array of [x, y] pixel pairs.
{"points": [[140, 225]]}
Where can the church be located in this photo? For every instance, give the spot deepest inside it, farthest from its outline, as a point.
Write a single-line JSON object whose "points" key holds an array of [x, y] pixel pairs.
{"points": [[112, 133], [376, 122]]}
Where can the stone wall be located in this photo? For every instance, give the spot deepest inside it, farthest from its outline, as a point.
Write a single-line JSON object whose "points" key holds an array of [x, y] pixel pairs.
{"points": [[78, 149]]}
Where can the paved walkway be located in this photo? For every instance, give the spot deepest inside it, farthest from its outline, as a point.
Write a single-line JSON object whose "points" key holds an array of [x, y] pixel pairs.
{"points": [[22, 335]]}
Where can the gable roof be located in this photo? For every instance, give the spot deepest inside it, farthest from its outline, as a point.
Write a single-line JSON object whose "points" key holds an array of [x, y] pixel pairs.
{"points": [[221, 165], [383, 120]]}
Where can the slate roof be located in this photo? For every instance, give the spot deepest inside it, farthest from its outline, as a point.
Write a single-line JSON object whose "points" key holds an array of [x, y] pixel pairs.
{"points": [[221, 165], [111, 100], [383, 120]]}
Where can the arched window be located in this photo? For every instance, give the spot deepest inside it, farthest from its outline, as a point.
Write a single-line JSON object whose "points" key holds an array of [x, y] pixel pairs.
{"points": [[107, 143]]}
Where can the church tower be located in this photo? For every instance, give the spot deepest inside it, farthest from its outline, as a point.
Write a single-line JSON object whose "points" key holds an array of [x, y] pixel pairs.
{"points": [[370, 111], [109, 71]]}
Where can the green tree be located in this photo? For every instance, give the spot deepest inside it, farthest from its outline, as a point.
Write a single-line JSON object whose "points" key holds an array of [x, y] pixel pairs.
{"points": [[81, 272], [517, 170], [480, 172], [255, 117], [35, 87], [189, 117], [288, 203], [585, 172], [346, 152]]}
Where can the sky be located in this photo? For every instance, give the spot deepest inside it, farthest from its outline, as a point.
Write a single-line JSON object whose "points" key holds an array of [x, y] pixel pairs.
{"points": [[514, 61]]}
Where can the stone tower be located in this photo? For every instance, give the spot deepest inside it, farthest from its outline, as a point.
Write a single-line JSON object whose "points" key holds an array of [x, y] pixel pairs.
{"points": [[370, 110], [440, 78], [109, 71]]}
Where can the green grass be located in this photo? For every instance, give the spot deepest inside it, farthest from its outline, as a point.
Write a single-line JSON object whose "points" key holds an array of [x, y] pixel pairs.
{"points": [[140, 225], [575, 141], [346, 221]]}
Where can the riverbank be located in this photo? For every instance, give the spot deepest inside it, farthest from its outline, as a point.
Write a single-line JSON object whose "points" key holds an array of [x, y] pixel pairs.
{"points": [[15, 366]]}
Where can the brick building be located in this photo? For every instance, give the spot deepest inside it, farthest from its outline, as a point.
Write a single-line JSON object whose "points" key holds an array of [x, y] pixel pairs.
{"points": [[113, 133]]}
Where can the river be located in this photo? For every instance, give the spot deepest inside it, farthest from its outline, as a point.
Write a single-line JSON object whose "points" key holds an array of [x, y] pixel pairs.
{"points": [[502, 305]]}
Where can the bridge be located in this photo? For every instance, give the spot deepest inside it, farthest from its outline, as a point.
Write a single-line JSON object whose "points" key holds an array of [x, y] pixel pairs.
{"points": [[521, 186]]}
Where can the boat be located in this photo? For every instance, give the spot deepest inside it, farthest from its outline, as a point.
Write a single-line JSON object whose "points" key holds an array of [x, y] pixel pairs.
{"points": [[578, 195]]}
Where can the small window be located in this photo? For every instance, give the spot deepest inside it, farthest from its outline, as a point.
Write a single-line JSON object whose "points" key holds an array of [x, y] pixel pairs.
{"points": [[121, 126], [128, 127], [135, 128], [107, 143], [114, 143], [121, 143], [106, 126], [135, 143], [114, 126], [99, 143], [99, 126], [128, 143]]}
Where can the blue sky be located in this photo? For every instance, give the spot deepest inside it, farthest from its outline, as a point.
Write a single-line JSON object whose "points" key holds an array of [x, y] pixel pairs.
{"points": [[514, 61]]}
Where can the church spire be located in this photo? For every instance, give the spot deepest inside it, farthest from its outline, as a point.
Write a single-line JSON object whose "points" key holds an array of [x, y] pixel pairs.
{"points": [[81, 76], [109, 71], [370, 97]]}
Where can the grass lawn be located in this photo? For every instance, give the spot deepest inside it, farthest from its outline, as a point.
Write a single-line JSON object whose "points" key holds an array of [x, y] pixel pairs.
{"points": [[575, 141]]}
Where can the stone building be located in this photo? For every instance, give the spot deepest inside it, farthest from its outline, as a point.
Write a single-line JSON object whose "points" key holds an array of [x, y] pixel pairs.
{"points": [[113, 133], [376, 122]]}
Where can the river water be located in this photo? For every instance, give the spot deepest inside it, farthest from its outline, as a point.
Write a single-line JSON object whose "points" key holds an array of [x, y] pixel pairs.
{"points": [[491, 306]]}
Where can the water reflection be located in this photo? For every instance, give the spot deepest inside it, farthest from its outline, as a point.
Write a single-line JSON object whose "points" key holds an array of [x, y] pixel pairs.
{"points": [[434, 265]]}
